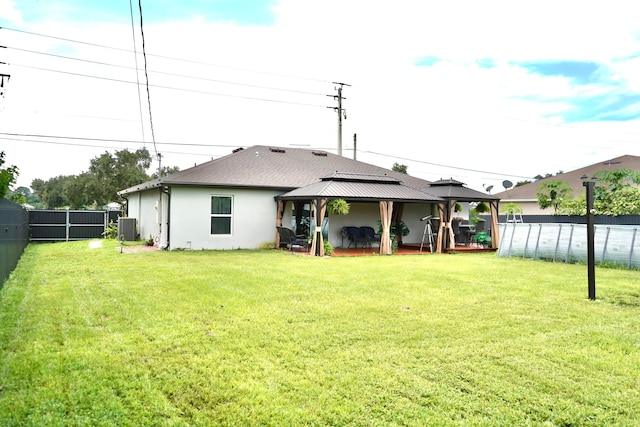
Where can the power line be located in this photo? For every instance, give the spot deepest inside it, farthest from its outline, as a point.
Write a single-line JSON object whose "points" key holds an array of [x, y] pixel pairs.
{"points": [[220, 146], [168, 57], [77, 144], [446, 166], [170, 87], [146, 75], [206, 79], [131, 141], [58, 113], [135, 57]]}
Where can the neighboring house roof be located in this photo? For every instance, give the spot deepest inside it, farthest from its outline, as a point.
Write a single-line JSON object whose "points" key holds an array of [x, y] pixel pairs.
{"points": [[360, 187], [272, 167], [455, 190], [528, 192]]}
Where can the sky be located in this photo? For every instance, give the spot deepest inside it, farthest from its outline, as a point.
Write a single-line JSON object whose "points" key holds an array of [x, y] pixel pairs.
{"points": [[482, 92]]}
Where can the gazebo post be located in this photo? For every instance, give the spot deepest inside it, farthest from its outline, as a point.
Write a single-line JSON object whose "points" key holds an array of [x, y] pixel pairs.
{"points": [[451, 207], [319, 207], [386, 211], [441, 227], [281, 206], [495, 232]]}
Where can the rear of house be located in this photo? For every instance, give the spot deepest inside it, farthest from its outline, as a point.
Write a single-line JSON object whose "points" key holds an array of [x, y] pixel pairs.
{"points": [[230, 203]]}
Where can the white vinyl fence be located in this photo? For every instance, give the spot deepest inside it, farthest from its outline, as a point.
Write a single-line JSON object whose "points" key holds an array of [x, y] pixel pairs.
{"points": [[614, 244]]}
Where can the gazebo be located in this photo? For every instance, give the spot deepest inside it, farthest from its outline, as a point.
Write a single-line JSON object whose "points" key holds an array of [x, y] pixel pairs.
{"points": [[452, 191], [356, 187]]}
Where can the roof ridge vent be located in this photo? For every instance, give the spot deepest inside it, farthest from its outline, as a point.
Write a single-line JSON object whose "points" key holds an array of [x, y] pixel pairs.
{"points": [[319, 153], [276, 150], [237, 149]]}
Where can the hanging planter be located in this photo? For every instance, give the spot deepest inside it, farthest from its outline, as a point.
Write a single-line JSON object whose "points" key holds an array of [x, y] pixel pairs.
{"points": [[482, 207], [338, 207]]}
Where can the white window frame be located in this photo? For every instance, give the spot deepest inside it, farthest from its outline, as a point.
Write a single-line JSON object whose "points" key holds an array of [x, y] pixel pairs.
{"points": [[229, 215]]}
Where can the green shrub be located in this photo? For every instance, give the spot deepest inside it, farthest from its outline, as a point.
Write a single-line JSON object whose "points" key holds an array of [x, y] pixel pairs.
{"points": [[111, 231], [328, 248]]}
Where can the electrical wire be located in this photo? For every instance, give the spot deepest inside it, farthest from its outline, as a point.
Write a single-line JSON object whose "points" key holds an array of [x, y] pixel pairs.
{"points": [[58, 113], [206, 79], [169, 57], [444, 166], [236, 146], [135, 57], [131, 141], [146, 75], [170, 87], [77, 144]]}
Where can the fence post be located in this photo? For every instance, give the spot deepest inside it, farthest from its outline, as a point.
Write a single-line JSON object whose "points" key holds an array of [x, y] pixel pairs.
{"points": [[513, 233], [526, 245], [535, 253], [633, 242], [68, 226], [555, 252], [566, 260], [502, 234], [606, 240]]}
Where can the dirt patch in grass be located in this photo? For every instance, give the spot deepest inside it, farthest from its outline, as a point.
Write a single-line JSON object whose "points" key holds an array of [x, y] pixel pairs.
{"points": [[137, 249]]}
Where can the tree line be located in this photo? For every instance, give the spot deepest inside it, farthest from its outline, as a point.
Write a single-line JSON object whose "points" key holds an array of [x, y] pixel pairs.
{"points": [[98, 186], [616, 192]]}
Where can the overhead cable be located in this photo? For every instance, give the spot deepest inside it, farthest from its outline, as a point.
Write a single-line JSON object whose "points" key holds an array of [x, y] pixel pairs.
{"points": [[169, 57], [169, 87], [165, 73]]}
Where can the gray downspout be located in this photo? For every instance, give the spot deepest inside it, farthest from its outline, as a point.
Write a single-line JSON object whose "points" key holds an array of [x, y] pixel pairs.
{"points": [[167, 191]]}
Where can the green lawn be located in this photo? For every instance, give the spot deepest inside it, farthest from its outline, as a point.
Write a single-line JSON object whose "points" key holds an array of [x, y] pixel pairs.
{"points": [[240, 338]]}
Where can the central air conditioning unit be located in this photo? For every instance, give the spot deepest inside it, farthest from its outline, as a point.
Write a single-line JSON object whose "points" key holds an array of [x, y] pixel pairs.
{"points": [[127, 229]]}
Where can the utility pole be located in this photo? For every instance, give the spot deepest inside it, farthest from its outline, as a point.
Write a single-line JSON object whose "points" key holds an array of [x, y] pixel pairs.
{"points": [[159, 165], [4, 81], [340, 111], [4, 78], [355, 146]]}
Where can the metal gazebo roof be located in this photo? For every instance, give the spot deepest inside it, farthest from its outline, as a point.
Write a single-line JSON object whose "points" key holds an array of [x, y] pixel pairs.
{"points": [[360, 187], [450, 189]]}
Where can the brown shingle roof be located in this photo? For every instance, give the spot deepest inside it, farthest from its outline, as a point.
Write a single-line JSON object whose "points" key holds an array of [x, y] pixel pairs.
{"points": [[273, 167], [528, 191]]}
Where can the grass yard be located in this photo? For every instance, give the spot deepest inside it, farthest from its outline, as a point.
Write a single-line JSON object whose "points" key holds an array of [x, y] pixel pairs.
{"points": [[245, 338]]}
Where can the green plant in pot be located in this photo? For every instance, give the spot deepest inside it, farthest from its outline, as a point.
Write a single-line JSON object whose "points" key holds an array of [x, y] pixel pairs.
{"points": [[338, 207], [399, 228], [481, 208], [483, 238]]}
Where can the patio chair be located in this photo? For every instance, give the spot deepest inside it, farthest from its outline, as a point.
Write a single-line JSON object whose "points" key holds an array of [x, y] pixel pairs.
{"points": [[288, 239], [370, 236], [471, 234], [455, 226], [355, 236]]}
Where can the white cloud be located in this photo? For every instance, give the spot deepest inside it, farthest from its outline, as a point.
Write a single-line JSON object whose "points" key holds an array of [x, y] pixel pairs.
{"points": [[9, 12], [454, 113]]}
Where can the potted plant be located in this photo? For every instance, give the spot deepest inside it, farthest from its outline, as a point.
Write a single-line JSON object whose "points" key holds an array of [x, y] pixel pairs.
{"points": [[480, 208], [338, 207], [483, 239], [399, 228]]}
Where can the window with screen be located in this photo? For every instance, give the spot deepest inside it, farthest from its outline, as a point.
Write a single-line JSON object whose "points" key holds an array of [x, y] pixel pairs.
{"points": [[221, 210]]}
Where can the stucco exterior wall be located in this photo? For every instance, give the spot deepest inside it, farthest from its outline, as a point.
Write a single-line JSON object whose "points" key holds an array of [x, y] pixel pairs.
{"points": [[144, 207], [252, 223], [368, 214], [411, 217]]}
